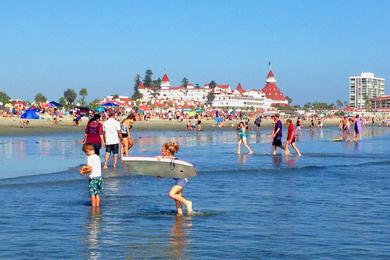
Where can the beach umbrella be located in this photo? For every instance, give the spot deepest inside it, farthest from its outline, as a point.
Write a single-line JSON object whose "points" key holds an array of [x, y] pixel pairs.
{"points": [[100, 109], [199, 110], [30, 114], [55, 104], [192, 113], [110, 104]]}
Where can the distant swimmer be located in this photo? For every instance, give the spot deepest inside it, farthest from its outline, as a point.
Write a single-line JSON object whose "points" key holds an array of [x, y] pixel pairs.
{"points": [[258, 121], [243, 134], [357, 128], [168, 150], [291, 138], [299, 124], [277, 134]]}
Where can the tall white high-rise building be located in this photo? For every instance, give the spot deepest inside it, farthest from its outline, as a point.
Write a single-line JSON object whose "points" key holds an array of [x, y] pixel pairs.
{"points": [[364, 87]]}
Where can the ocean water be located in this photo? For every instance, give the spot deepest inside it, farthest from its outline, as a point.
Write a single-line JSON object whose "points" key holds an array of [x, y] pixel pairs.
{"points": [[333, 202]]}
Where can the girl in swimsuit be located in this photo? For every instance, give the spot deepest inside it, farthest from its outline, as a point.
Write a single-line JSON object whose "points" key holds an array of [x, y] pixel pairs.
{"points": [[242, 131], [168, 150], [127, 141]]}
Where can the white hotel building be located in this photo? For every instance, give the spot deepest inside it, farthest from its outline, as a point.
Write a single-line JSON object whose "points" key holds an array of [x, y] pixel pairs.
{"points": [[364, 87], [225, 97]]}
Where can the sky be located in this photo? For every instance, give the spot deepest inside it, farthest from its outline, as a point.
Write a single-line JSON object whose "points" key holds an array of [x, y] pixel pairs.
{"points": [[314, 46]]}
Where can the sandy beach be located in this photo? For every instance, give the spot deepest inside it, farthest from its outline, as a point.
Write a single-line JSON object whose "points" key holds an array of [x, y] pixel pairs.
{"points": [[11, 125]]}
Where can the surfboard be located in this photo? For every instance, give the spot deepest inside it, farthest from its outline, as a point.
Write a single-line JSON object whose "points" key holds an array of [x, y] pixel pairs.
{"points": [[152, 166]]}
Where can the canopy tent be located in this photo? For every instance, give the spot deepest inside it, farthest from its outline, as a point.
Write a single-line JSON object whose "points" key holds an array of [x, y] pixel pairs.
{"points": [[109, 104], [30, 113], [191, 113], [100, 109], [55, 104]]}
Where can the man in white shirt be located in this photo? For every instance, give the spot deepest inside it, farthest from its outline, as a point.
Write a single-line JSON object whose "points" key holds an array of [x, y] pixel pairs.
{"points": [[112, 135]]}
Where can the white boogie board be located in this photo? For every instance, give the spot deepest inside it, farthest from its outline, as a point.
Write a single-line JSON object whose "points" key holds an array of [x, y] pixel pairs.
{"points": [[152, 166]]}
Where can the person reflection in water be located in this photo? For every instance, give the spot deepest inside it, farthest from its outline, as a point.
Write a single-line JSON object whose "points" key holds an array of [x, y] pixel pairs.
{"points": [[178, 236], [93, 229]]}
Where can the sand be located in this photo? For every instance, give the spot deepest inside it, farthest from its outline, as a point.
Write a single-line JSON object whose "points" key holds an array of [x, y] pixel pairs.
{"points": [[10, 126]]}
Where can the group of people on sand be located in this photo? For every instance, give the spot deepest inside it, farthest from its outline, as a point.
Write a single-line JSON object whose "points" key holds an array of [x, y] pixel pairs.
{"points": [[108, 134], [277, 134], [346, 133]]}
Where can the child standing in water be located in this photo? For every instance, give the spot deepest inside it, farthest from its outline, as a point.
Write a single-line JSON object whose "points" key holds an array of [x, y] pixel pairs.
{"points": [[168, 150], [93, 167], [291, 138], [242, 138]]}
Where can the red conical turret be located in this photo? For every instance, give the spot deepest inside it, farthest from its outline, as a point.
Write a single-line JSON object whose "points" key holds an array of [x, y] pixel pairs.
{"points": [[272, 91], [165, 78], [240, 89]]}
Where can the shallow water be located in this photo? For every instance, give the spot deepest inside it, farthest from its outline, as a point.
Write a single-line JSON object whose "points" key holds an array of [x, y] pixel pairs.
{"points": [[331, 203]]}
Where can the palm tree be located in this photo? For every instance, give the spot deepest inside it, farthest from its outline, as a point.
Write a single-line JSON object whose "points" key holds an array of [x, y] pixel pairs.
{"points": [[83, 93]]}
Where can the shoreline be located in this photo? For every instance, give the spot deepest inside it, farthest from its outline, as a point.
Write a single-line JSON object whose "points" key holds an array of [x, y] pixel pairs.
{"points": [[11, 126]]}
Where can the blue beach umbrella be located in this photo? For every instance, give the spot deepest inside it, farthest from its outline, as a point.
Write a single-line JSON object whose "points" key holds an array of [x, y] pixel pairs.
{"points": [[110, 104], [55, 104], [30, 114]]}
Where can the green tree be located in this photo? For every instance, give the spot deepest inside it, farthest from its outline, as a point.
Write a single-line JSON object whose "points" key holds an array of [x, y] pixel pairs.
{"points": [[83, 93], [184, 82], [70, 96], [148, 80], [212, 84], [4, 98], [137, 80], [62, 100], [197, 85], [115, 96], [40, 98], [289, 100], [210, 97], [367, 101], [156, 84], [307, 106], [94, 104], [339, 103]]}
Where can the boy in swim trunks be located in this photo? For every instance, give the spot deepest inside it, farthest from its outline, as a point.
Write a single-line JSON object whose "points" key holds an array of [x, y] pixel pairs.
{"points": [[93, 167]]}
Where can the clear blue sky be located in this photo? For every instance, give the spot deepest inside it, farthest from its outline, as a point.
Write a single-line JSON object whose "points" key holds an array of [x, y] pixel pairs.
{"points": [[49, 46]]}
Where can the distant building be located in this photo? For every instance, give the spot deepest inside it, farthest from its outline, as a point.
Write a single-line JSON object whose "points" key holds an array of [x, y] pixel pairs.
{"points": [[363, 88], [123, 101], [272, 92], [231, 101], [382, 102]]}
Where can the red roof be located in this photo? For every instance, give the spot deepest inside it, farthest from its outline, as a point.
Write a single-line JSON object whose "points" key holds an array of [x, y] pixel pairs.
{"points": [[272, 91], [270, 74], [165, 78], [176, 88], [141, 85], [240, 89], [223, 86], [380, 98], [144, 107]]}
